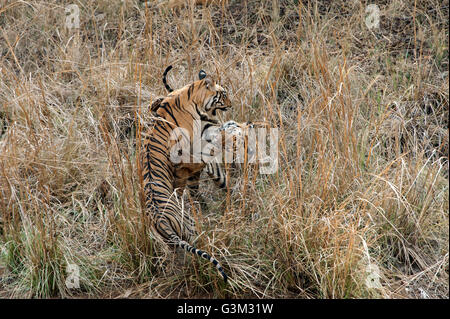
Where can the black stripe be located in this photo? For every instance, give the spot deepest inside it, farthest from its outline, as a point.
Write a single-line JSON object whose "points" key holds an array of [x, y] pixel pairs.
{"points": [[168, 88], [164, 106], [190, 90]]}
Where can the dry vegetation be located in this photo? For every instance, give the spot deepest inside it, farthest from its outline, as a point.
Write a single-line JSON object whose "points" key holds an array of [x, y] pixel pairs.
{"points": [[363, 161]]}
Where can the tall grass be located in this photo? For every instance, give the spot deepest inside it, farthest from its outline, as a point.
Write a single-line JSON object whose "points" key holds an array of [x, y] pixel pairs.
{"points": [[361, 189]]}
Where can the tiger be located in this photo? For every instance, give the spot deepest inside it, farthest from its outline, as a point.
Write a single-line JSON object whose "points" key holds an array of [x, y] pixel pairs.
{"points": [[212, 168], [181, 108]]}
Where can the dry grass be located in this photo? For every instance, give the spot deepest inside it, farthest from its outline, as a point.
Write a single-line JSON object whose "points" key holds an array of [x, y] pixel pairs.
{"points": [[363, 150]]}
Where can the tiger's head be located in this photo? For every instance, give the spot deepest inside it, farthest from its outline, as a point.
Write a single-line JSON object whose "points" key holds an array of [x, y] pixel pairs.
{"points": [[207, 96], [211, 96]]}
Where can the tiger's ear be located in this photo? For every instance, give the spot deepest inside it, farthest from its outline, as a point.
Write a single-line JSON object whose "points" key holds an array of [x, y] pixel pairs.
{"points": [[201, 75], [209, 82]]}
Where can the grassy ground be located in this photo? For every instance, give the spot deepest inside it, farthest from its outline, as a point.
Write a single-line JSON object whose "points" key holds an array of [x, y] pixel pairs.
{"points": [[357, 209]]}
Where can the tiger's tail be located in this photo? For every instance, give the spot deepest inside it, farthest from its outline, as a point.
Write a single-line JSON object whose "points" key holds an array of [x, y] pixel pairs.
{"points": [[185, 245], [168, 88]]}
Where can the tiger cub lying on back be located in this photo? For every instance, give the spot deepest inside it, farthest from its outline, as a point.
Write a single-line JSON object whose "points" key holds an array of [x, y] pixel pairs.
{"points": [[183, 108]]}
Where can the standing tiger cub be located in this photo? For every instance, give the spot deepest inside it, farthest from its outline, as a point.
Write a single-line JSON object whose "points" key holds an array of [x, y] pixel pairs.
{"points": [[183, 108]]}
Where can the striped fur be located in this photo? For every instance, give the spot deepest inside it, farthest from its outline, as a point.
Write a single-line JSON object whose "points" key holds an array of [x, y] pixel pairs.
{"points": [[197, 101], [213, 169]]}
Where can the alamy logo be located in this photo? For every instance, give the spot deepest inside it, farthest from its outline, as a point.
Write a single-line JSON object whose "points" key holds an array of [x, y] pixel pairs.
{"points": [[72, 16], [230, 143], [373, 17], [373, 276], [73, 278]]}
